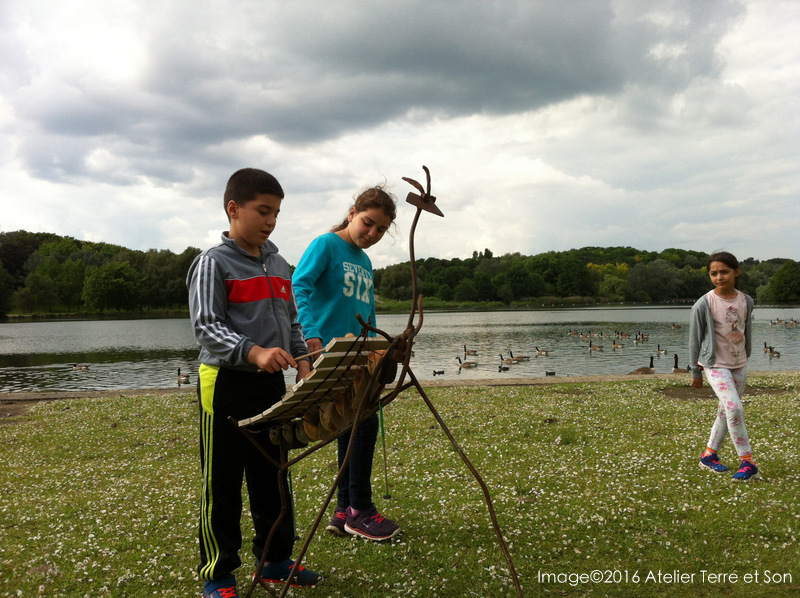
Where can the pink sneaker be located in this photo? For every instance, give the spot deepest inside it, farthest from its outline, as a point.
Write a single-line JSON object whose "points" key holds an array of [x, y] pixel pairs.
{"points": [[747, 472], [371, 525], [336, 526]]}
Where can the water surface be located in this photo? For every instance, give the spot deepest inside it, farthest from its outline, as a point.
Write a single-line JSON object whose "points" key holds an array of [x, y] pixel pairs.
{"points": [[126, 354]]}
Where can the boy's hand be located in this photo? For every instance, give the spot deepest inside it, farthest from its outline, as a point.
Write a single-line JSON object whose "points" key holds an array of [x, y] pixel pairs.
{"points": [[271, 360]]}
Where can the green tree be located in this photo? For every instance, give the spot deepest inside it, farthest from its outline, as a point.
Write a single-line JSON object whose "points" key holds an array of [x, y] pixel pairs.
{"points": [[656, 281], [58, 250], [444, 292], [6, 291], [428, 289], [547, 266], [484, 287], [758, 275], [451, 275], [518, 278], [491, 267], [610, 279], [784, 286], [396, 282], [163, 283], [69, 283], [466, 291], [114, 285], [612, 288], [60, 263], [15, 249], [502, 289], [38, 295], [693, 282], [574, 279]]}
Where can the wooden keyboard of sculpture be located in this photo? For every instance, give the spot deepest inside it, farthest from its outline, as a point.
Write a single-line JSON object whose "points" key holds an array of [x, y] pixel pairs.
{"points": [[326, 401]]}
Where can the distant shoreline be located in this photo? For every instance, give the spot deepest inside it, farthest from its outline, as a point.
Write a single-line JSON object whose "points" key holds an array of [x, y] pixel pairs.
{"points": [[54, 395], [394, 310]]}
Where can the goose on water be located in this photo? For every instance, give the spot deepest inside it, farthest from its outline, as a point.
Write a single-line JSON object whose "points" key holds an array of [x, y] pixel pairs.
{"points": [[466, 364], [506, 359], [518, 358]]}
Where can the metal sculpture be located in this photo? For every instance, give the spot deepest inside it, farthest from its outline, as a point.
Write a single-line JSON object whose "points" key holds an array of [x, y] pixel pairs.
{"points": [[348, 383]]}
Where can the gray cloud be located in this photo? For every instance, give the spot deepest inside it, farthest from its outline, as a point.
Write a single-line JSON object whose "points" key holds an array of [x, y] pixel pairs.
{"points": [[308, 72], [578, 113]]}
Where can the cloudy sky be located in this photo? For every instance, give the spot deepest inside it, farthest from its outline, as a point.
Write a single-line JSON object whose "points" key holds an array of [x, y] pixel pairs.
{"points": [[547, 125]]}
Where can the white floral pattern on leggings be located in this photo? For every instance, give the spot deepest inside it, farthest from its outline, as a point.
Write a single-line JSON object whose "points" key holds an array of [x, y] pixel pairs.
{"points": [[728, 385]]}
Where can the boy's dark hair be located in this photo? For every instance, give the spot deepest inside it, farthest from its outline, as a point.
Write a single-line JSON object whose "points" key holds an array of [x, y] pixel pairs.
{"points": [[246, 183]]}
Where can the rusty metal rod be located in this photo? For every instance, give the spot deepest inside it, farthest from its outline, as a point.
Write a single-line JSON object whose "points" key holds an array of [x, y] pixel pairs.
{"points": [[487, 497]]}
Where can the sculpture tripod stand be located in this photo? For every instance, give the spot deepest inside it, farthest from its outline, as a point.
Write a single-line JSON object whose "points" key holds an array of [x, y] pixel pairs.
{"points": [[343, 389]]}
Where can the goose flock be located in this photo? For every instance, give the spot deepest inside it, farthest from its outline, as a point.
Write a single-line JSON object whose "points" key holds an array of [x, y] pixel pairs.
{"points": [[617, 341]]}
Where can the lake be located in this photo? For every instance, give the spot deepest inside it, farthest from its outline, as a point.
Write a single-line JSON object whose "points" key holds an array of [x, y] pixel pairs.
{"points": [[36, 356]]}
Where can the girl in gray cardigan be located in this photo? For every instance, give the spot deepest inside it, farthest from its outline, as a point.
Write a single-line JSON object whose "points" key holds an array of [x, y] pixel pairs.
{"points": [[720, 340]]}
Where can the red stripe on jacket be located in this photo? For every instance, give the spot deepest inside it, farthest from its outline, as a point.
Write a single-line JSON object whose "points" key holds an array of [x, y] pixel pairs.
{"points": [[256, 289]]}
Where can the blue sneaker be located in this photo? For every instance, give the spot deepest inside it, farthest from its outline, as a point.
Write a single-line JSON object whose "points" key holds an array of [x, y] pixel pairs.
{"points": [[220, 588], [279, 573], [711, 463], [748, 471]]}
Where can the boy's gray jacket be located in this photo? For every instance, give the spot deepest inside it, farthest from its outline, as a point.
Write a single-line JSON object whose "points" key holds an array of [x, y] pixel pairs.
{"points": [[237, 300], [702, 344]]}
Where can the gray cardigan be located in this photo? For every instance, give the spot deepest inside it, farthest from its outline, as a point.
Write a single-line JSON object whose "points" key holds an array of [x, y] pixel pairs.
{"points": [[702, 346]]}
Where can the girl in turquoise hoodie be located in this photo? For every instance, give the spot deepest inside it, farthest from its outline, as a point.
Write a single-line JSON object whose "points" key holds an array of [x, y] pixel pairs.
{"points": [[333, 283]]}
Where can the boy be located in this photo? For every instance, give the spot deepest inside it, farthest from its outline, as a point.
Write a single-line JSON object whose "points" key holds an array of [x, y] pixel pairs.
{"points": [[244, 316]]}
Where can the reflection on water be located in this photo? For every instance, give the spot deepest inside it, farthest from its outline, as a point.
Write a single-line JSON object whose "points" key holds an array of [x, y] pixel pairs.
{"points": [[147, 353], [120, 354]]}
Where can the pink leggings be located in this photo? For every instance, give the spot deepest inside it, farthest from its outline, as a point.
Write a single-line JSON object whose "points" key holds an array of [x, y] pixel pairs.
{"points": [[728, 385]]}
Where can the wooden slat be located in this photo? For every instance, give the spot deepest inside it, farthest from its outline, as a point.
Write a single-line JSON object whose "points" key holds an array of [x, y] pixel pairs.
{"points": [[333, 372], [335, 360], [345, 343], [320, 384]]}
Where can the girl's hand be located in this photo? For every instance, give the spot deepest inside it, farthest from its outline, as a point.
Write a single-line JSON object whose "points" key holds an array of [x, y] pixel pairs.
{"points": [[303, 369], [314, 344], [697, 383]]}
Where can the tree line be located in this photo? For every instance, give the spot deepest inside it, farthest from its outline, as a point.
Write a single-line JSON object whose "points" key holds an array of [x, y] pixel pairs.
{"points": [[44, 273], [589, 274]]}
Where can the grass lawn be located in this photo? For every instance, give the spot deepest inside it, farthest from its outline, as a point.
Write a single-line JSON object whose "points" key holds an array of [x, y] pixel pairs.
{"points": [[596, 487]]}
